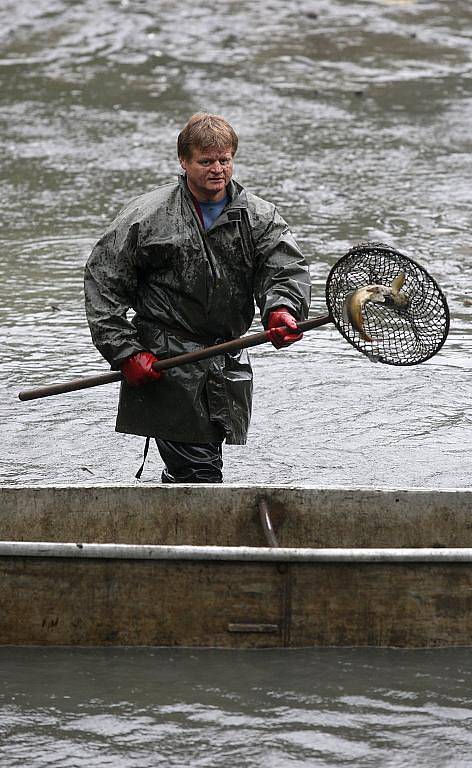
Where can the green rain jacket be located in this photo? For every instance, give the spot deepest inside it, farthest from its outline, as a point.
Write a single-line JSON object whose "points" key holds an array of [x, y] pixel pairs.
{"points": [[189, 287]]}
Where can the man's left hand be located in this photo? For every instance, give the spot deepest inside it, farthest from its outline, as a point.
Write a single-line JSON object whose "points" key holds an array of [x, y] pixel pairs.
{"points": [[282, 337]]}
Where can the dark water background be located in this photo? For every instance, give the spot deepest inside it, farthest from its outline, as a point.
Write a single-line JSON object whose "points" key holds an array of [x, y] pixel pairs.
{"points": [[355, 118]]}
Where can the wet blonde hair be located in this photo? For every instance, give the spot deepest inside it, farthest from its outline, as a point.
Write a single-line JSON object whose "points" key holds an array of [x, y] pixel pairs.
{"points": [[204, 131]]}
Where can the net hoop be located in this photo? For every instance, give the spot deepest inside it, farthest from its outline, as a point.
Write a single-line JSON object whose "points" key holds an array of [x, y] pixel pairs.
{"points": [[399, 335]]}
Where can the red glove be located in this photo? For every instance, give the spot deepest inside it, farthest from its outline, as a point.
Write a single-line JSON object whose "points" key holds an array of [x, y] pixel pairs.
{"points": [[280, 337], [138, 369]]}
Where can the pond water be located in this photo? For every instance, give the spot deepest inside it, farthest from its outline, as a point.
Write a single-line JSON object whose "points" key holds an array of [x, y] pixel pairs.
{"points": [[140, 708]]}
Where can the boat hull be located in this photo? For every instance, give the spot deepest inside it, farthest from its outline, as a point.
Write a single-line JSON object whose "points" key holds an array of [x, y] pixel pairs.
{"points": [[215, 584]]}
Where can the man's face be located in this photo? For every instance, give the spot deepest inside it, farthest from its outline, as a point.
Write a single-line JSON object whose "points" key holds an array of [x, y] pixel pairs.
{"points": [[208, 172]]}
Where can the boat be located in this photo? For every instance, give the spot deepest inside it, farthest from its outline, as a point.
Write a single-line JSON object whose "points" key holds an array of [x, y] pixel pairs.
{"points": [[232, 566]]}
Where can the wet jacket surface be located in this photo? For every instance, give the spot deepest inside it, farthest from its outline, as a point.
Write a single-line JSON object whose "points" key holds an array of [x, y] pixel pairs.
{"points": [[189, 287]]}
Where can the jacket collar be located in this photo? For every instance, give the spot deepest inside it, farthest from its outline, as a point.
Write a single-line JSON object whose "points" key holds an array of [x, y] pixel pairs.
{"points": [[236, 192]]}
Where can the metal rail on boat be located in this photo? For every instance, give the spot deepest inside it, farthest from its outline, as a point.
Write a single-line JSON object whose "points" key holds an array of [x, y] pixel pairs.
{"points": [[240, 554]]}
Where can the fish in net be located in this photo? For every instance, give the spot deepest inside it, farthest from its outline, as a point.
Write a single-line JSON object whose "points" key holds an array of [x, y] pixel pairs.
{"points": [[400, 315]]}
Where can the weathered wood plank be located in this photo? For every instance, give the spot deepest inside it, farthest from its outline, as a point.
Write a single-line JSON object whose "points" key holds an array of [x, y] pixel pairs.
{"points": [[418, 605], [235, 604], [63, 602]]}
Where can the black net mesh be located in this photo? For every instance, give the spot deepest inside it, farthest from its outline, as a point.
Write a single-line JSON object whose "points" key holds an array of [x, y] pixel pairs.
{"points": [[400, 335]]}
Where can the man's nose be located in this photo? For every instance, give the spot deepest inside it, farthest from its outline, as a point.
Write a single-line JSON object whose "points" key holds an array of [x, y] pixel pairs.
{"points": [[217, 166]]}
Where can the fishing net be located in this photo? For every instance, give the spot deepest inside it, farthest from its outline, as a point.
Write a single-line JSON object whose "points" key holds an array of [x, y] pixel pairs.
{"points": [[400, 333]]}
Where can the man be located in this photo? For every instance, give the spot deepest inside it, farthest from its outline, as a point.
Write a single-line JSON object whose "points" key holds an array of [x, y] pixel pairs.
{"points": [[190, 258]]}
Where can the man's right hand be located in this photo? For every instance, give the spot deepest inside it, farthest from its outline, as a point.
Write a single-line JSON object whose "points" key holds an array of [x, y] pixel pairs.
{"points": [[138, 369]]}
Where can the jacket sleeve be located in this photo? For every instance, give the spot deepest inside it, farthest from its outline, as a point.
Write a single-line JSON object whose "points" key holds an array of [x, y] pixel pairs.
{"points": [[110, 285], [282, 276]]}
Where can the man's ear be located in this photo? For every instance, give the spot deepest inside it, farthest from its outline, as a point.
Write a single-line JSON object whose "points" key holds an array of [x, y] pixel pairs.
{"points": [[183, 163]]}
